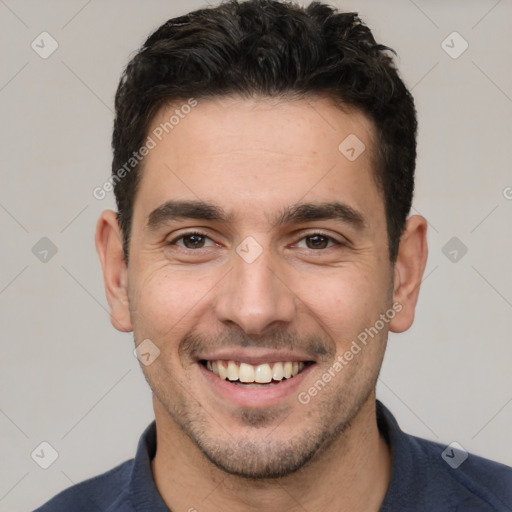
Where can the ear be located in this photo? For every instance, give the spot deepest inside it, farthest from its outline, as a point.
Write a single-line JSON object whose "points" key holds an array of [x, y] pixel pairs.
{"points": [[109, 244], [408, 271]]}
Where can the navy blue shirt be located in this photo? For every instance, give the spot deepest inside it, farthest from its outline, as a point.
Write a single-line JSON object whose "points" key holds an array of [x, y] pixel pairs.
{"points": [[426, 476]]}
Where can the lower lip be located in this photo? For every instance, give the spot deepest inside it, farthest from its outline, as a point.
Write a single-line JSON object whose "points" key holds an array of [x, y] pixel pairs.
{"points": [[255, 397]]}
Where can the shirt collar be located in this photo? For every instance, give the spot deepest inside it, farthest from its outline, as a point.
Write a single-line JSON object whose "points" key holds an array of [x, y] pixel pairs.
{"points": [[402, 459], [143, 492]]}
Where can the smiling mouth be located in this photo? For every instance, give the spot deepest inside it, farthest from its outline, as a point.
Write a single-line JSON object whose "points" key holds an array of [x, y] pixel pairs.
{"points": [[250, 375]]}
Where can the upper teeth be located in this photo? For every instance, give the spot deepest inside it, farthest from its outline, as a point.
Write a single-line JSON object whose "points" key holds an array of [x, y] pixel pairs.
{"points": [[261, 373]]}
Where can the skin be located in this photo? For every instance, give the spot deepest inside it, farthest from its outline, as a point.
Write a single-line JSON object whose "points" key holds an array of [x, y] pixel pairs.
{"points": [[212, 454]]}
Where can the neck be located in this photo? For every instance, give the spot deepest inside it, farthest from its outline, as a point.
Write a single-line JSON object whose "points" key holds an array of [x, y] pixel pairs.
{"points": [[351, 475]]}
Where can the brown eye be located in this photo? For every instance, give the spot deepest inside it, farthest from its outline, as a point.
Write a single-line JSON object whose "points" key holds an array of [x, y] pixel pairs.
{"points": [[317, 241], [192, 241]]}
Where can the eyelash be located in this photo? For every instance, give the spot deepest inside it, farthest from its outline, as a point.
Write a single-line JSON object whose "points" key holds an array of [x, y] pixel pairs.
{"points": [[313, 233], [183, 235], [335, 243]]}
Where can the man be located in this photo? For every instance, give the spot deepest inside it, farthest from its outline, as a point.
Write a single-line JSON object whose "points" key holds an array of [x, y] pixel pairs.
{"points": [[263, 168]]}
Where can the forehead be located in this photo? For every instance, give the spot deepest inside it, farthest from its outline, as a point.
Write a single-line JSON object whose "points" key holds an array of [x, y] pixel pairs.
{"points": [[258, 153]]}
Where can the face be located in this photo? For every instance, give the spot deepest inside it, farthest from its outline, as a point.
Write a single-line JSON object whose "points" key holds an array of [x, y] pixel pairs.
{"points": [[259, 253]]}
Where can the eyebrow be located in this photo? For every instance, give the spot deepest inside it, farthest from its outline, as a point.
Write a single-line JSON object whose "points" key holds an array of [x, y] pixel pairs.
{"points": [[298, 213], [176, 210], [306, 212]]}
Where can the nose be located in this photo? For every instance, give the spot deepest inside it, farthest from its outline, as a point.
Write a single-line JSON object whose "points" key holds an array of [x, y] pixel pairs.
{"points": [[255, 295]]}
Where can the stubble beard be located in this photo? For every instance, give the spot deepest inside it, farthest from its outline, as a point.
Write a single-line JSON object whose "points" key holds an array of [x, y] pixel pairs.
{"points": [[267, 457], [266, 452]]}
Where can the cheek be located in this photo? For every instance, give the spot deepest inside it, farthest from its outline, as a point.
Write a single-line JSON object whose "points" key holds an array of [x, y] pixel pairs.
{"points": [[347, 301], [165, 302]]}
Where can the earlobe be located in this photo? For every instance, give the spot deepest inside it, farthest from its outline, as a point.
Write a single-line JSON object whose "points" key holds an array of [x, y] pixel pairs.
{"points": [[409, 267], [109, 244]]}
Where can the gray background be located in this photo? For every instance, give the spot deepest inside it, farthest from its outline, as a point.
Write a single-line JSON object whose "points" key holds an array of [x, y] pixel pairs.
{"points": [[68, 378]]}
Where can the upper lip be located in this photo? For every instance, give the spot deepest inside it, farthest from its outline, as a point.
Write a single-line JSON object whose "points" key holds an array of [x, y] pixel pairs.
{"points": [[255, 356]]}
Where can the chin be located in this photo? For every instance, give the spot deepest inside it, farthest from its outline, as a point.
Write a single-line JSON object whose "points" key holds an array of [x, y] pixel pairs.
{"points": [[260, 460]]}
